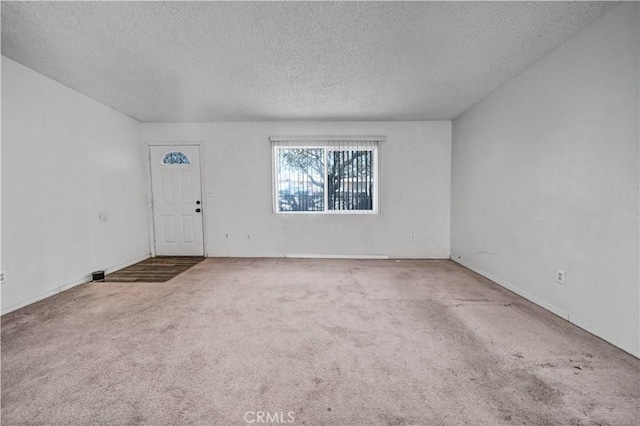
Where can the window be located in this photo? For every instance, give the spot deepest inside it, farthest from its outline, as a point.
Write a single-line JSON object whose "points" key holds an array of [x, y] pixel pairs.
{"points": [[175, 157], [327, 176]]}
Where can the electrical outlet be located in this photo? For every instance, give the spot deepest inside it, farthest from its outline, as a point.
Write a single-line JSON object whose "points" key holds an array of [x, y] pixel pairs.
{"points": [[413, 237], [560, 276], [3, 277], [227, 236], [248, 236]]}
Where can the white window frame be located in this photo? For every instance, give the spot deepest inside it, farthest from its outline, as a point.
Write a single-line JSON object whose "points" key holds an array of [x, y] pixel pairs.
{"points": [[325, 143]]}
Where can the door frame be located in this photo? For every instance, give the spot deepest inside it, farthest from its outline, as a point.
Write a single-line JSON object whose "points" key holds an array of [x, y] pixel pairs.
{"points": [[205, 206]]}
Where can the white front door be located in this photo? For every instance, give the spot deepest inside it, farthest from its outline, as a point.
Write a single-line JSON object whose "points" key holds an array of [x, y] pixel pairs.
{"points": [[177, 200]]}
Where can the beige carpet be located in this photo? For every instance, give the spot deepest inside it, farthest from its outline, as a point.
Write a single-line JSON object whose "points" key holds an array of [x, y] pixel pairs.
{"points": [[320, 342]]}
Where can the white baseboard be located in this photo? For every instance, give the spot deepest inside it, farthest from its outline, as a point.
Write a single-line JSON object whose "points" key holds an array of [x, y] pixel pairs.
{"points": [[337, 256], [33, 300], [326, 256], [602, 335], [551, 308], [70, 285], [557, 311]]}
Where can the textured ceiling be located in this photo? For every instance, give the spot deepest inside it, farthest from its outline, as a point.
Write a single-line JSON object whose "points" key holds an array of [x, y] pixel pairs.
{"points": [[236, 61]]}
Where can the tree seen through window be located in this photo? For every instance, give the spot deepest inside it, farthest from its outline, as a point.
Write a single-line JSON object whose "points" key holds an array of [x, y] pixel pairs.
{"points": [[325, 179]]}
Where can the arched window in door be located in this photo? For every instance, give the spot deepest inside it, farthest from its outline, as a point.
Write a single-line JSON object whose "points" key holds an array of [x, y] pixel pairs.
{"points": [[175, 157]]}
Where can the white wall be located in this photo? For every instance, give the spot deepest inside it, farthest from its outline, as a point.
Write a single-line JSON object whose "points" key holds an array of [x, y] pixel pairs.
{"points": [[65, 158], [415, 198], [545, 177]]}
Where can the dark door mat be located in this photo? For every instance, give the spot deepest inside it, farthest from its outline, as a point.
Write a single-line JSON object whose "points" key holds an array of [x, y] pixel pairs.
{"points": [[154, 270]]}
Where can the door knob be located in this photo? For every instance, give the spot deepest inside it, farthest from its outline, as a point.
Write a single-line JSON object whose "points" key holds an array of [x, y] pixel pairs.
{"points": [[197, 210], [198, 202]]}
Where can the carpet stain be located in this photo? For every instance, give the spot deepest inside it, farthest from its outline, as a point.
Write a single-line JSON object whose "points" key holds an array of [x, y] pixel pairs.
{"points": [[392, 420]]}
